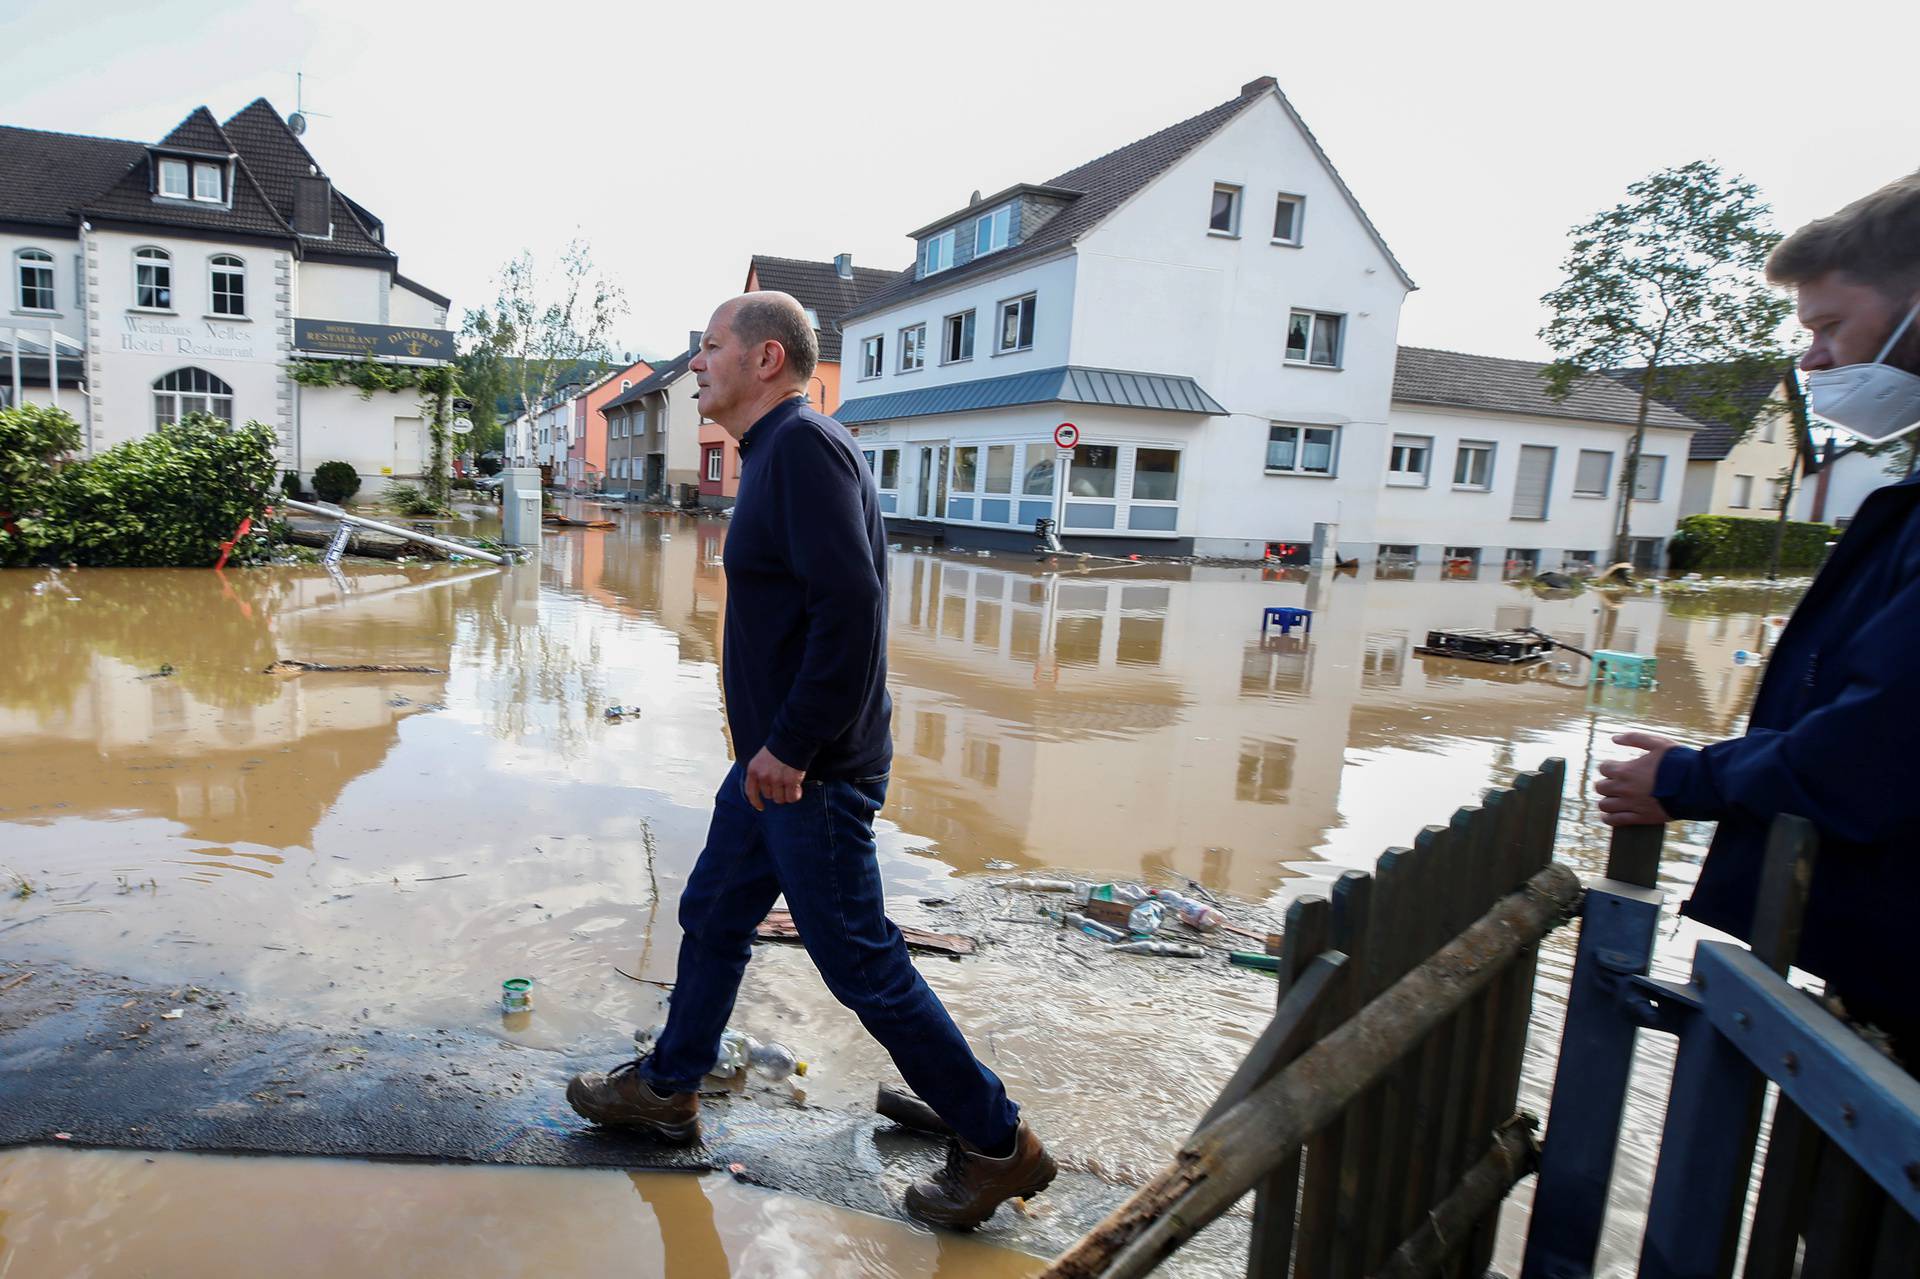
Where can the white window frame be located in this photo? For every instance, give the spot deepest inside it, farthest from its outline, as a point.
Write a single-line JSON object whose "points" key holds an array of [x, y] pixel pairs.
{"points": [[970, 329], [913, 348], [1640, 475], [1298, 203], [1133, 474], [226, 264], [716, 455], [1487, 447], [1314, 320], [33, 259], [1029, 301], [151, 257], [938, 247], [170, 404], [1300, 430], [1399, 476], [998, 226], [1605, 483], [1237, 196], [172, 168], [201, 171], [873, 357]]}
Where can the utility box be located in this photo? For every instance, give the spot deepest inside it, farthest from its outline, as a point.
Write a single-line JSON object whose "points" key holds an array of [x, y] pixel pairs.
{"points": [[1624, 670], [520, 506], [1326, 543]]}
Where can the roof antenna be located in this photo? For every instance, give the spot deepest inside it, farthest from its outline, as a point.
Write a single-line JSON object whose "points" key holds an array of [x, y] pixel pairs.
{"points": [[298, 120]]}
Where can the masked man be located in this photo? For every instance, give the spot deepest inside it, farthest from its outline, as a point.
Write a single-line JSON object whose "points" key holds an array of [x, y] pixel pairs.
{"points": [[1835, 731]]}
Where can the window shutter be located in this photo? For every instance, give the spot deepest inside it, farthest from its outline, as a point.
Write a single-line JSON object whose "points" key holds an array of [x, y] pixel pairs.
{"points": [[1530, 486]]}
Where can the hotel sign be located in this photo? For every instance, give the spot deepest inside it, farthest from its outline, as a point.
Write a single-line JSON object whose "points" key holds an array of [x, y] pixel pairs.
{"points": [[372, 341]]}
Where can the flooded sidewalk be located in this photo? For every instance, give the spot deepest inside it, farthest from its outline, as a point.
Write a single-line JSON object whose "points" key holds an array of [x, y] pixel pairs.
{"points": [[360, 852]]}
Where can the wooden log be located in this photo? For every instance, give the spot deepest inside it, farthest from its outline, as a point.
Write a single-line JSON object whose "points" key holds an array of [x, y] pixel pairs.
{"points": [[1514, 1154], [1218, 1165], [779, 926]]}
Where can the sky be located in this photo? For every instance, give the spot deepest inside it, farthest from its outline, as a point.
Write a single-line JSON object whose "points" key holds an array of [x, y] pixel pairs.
{"points": [[680, 140]]}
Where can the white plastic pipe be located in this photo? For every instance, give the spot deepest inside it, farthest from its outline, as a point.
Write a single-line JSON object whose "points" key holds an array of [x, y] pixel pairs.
{"points": [[426, 539]]}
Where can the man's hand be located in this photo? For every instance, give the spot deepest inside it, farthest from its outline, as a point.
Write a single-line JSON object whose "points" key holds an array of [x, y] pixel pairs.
{"points": [[1626, 786], [767, 778]]}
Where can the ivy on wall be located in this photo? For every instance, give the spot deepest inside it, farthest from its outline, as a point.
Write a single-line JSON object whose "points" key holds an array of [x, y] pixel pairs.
{"points": [[437, 385]]}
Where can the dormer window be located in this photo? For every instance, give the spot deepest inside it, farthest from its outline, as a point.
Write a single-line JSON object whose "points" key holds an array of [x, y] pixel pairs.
{"points": [[991, 231], [936, 254], [206, 183], [173, 179]]}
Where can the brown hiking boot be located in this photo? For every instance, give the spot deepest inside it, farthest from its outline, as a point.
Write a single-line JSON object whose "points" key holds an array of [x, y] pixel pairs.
{"points": [[968, 1190], [621, 1099]]}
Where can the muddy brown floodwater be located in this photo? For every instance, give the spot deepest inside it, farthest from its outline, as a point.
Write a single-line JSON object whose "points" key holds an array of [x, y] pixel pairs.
{"points": [[383, 849]]}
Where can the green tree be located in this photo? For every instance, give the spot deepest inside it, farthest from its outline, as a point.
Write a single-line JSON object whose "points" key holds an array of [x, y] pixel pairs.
{"points": [[485, 378], [545, 322], [34, 438], [1669, 282]]}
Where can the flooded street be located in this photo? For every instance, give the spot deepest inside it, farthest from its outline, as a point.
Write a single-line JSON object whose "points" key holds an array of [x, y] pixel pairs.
{"points": [[382, 849]]}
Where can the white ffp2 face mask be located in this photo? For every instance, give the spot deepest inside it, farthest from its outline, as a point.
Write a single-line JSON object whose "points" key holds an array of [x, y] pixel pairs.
{"points": [[1876, 402]]}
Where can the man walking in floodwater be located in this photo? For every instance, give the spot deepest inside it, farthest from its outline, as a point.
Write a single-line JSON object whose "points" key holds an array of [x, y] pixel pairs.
{"points": [[1835, 731], [805, 671]]}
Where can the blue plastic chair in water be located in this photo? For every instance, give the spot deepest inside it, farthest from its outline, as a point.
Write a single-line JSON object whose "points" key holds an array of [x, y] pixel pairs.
{"points": [[1287, 619]]}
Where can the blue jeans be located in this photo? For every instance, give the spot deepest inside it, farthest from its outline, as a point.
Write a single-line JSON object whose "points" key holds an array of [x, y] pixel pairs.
{"points": [[819, 851]]}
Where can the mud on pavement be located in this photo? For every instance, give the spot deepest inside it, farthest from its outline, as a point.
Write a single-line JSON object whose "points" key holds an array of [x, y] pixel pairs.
{"points": [[90, 1059]]}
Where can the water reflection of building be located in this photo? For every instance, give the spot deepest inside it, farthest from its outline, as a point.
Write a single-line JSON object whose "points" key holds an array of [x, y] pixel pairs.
{"points": [[232, 754]]}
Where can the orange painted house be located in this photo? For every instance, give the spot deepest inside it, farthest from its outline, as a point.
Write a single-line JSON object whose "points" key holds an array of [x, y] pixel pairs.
{"points": [[828, 290], [587, 455]]}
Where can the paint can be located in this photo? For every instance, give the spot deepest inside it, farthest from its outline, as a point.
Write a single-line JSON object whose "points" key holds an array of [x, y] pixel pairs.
{"points": [[516, 995]]}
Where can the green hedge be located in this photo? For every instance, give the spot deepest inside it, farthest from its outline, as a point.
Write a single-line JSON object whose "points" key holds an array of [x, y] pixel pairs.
{"points": [[1706, 543]]}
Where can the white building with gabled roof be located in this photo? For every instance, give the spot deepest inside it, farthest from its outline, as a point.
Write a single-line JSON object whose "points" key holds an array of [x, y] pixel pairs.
{"points": [[1210, 307]]}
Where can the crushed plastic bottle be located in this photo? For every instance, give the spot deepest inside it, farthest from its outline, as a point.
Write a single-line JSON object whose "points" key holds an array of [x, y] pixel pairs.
{"points": [[738, 1051], [1146, 918], [1194, 914], [1033, 885], [773, 1061], [1169, 949], [1124, 893], [1091, 927]]}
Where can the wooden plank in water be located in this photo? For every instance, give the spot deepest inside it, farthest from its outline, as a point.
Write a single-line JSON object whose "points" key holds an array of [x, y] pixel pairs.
{"points": [[779, 926], [1277, 1195]]}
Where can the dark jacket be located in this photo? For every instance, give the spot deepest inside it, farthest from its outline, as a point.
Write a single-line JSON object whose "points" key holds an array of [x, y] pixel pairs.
{"points": [[1835, 738], [805, 658]]}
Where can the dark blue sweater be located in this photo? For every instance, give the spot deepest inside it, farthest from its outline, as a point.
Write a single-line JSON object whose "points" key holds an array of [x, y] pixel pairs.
{"points": [[805, 662], [1835, 738]]}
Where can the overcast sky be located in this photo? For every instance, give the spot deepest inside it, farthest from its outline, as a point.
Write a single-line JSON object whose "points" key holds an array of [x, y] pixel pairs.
{"points": [[681, 139]]}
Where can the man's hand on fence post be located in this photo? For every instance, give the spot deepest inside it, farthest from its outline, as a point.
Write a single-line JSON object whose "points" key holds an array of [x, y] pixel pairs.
{"points": [[1626, 786]]}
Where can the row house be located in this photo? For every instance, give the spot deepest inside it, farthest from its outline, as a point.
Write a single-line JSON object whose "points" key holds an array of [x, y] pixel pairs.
{"points": [[1209, 308], [653, 431], [151, 280], [1483, 467]]}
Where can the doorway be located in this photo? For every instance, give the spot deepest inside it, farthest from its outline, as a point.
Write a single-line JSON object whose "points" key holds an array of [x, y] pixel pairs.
{"points": [[930, 500]]}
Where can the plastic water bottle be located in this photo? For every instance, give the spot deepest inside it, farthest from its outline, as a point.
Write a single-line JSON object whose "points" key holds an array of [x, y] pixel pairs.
{"points": [[1146, 918], [1092, 928], [1033, 885], [1170, 949], [1194, 914], [773, 1061], [733, 1055]]}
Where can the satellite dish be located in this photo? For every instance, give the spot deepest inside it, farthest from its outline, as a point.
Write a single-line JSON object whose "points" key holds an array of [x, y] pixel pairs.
{"points": [[298, 123], [462, 425]]}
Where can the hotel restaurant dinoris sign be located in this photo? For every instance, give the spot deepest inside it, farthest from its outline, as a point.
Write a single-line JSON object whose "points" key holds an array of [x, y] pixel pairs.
{"points": [[372, 341]]}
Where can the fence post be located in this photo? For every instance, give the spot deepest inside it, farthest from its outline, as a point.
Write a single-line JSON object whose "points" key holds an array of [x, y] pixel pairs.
{"points": [[1617, 927]]}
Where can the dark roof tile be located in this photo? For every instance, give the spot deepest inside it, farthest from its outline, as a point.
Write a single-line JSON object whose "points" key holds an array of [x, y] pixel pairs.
{"points": [[664, 375], [278, 161], [131, 198], [1722, 398], [46, 177], [1451, 379], [817, 286]]}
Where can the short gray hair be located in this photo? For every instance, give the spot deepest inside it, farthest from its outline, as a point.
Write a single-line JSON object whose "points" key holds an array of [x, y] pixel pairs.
{"points": [[777, 317]]}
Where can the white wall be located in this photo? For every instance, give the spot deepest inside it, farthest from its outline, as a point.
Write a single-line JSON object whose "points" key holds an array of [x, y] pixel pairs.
{"points": [[1051, 282], [1853, 478], [405, 307], [325, 291], [683, 432], [1440, 514], [381, 437], [129, 348]]}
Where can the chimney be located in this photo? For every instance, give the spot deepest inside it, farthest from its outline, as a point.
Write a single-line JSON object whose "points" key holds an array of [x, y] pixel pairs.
{"points": [[693, 339], [1262, 85], [313, 206], [843, 265]]}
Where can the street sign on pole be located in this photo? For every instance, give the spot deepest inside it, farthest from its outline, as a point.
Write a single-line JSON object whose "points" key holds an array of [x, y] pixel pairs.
{"points": [[1066, 435]]}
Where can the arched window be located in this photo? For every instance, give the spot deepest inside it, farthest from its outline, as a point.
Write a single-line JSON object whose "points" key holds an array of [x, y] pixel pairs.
{"points": [[227, 284], [185, 391], [153, 279], [34, 272]]}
